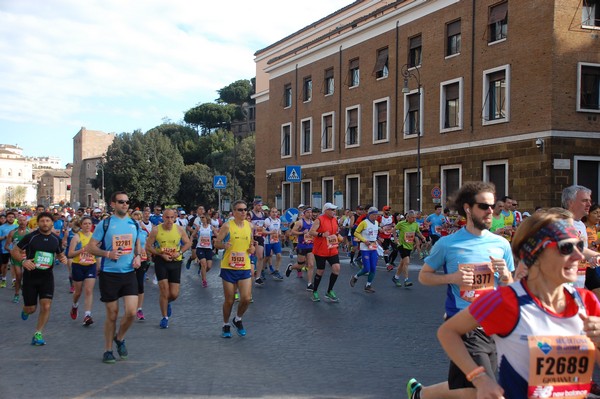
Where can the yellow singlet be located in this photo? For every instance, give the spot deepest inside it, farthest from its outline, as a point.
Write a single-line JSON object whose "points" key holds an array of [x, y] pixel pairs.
{"points": [[84, 258], [236, 256], [169, 241]]}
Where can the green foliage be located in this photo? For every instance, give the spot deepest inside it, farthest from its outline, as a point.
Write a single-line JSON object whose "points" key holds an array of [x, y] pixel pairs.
{"points": [[237, 92], [196, 186], [183, 137], [209, 116]]}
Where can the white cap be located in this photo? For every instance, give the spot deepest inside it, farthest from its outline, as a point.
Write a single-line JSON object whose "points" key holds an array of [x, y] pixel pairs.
{"points": [[97, 210], [526, 214], [329, 205], [182, 212], [372, 210], [301, 206]]}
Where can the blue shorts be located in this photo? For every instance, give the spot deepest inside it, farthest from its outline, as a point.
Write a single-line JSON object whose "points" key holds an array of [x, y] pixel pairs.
{"points": [[80, 272], [233, 276], [275, 247]]}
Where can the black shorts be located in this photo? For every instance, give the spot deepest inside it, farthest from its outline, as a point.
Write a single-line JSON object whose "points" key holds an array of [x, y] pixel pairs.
{"points": [[37, 284], [260, 240], [592, 279], [140, 275], [204, 253], [117, 285], [5, 258], [167, 270], [483, 350], [320, 261], [404, 253], [303, 251]]}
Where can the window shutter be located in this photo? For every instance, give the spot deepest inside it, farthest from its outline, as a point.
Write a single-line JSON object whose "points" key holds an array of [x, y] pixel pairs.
{"points": [[452, 91], [498, 13], [415, 42], [382, 59], [352, 118], [413, 102], [454, 28]]}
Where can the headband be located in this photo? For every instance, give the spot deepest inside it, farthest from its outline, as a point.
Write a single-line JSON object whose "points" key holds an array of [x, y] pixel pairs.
{"points": [[557, 231]]}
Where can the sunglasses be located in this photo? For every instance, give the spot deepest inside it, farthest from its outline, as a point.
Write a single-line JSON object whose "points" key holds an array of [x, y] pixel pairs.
{"points": [[483, 206], [123, 202], [566, 247], [241, 209]]}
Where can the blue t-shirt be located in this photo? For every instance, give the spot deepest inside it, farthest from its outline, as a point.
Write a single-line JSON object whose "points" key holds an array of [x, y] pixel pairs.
{"points": [[436, 221], [59, 225], [5, 230], [464, 247], [156, 219], [124, 233]]}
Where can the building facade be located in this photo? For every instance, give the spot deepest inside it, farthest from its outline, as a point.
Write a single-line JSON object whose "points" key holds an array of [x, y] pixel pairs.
{"points": [[401, 102], [89, 148], [54, 187], [17, 186]]}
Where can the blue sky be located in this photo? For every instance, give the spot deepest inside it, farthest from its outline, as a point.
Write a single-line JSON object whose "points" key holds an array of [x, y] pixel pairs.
{"points": [[118, 66]]}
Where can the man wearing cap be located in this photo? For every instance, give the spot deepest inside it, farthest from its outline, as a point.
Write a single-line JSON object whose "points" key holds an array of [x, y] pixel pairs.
{"points": [[325, 248], [96, 216], [386, 236], [258, 223], [182, 220], [366, 234]]}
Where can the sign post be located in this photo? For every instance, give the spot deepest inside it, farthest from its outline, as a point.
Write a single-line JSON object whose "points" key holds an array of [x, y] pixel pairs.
{"points": [[219, 183]]}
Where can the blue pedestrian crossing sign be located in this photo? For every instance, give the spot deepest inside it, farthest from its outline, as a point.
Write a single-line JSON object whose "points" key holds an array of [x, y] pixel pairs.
{"points": [[293, 173], [220, 182]]}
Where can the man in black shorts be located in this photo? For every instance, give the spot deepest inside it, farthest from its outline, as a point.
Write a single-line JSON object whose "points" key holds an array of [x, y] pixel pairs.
{"points": [[39, 249]]}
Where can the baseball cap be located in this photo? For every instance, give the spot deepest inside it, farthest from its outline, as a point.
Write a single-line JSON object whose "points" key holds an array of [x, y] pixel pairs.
{"points": [[372, 210], [329, 205], [182, 212], [526, 214], [97, 210], [301, 206], [387, 208], [257, 202], [265, 208]]}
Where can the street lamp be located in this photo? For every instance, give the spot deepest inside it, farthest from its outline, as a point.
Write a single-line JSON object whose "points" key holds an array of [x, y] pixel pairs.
{"points": [[100, 166], [412, 72]]}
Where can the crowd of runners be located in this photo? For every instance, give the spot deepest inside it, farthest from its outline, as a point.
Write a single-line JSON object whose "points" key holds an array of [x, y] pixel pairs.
{"points": [[468, 249]]}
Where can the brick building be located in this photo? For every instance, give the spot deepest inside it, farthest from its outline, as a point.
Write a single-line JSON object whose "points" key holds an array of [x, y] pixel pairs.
{"points": [[509, 93]]}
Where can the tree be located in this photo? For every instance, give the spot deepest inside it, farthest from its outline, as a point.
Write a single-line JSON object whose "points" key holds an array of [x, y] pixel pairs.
{"points": [[183, 137], [209, 116], [238, 92], [196, 186]]}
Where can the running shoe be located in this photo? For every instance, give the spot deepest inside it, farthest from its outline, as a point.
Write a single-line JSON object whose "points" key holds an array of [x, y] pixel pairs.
{"points": [[271, 270], [37, 339], [239, 328], [397, 281], [369, 289], [74, 312], [389, 267], [140, 315], [263, 275], [236, 297], [276, 275], [259, 282], [315, 297], [407, 283], [108, 358], [226, 333], [310, 287], [3, 284], [288, 270], [353, 281], [24, 316], [71, 289], [155, 280], [88, 321], [299, 274], [169, 310], [164, 323], [14, 282], [352, 263], [413, 389], [204, 284], [188, 264], [331, 296], [16, 298], [121, 348]]}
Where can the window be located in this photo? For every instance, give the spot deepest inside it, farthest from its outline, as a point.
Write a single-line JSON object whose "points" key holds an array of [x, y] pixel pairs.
{"points": [[496, 91], [453, 38], [287, 194], [305, 190], [590, 15], [380, 121], [307, 89], [327, 134], [497, 172], [588, 87], [354, 73], [498, 22], [412, 113], [286, 141], [327, 189], [329, 82], [451, 181], [412, 190], [451, 105], [587, 174], [287, 95], [381, 65], [352, 127], [306, 137], [381, 189], [352, 191], [10, 172], [415, 50]]}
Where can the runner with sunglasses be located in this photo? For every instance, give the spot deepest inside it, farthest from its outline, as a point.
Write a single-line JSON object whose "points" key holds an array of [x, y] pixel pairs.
{"points": [[545, 329], [473, 261]]}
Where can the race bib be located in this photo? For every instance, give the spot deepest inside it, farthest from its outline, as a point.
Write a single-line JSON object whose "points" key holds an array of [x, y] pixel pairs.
{"points": [[170, 251], [274, 238], [560, 367], [483, 280], [388, 229], [373, 245], [409, 237], [258, 231], [308, 239], [123, 243], [204, 242], [237, 260], [438, 229], [43, 260], [86, 258], [332, 241]]}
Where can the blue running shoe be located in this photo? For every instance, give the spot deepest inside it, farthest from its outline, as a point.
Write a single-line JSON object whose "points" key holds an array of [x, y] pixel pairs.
{"points": [[226, 333], [121, 348], [169, 311], [164, 323], [413, 389], [24, 315], [37, 339], [108, 358], [240, 328]]}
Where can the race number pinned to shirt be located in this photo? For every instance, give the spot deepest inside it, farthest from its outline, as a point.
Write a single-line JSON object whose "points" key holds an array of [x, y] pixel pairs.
{"points": [[483, 280], [204, 242], [409, 237], [560, 366], [86, 258], [332, 241], [237, 260], [43, 260], [123, 243]]}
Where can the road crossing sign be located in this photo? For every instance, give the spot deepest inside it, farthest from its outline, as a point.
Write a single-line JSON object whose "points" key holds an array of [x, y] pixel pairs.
{"points": [[220, 182], [293, 173]]}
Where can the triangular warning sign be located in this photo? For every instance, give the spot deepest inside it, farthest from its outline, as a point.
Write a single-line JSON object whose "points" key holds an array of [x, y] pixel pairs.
{"points": [[220, 183], [293, 175]]}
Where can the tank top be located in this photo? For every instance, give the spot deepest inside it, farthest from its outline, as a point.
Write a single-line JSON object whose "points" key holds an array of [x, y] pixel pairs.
{"points": [[258, 221], [84, 258], [322, 247], [236, 256], [303, 241], [169, 241], [15, 240], [204, 237]]}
